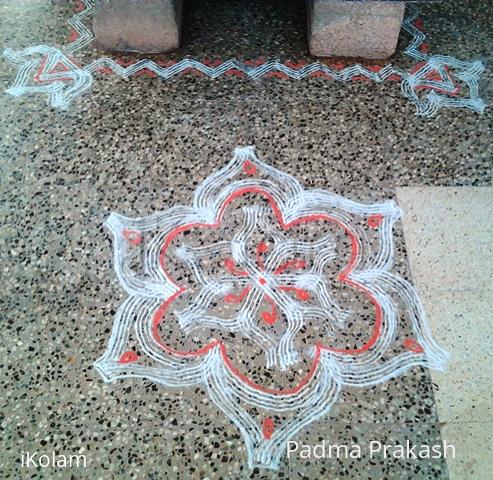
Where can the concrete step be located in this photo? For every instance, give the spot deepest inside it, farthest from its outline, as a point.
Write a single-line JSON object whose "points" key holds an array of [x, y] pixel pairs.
{"points": [[341, 28], [147, 26]]}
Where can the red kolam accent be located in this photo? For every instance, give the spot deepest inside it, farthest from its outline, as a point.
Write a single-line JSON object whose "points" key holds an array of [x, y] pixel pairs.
{"points": [[338, 66], [128, 357], [255, 62], [145, 73], [300, 293], [295, 65], [270, 317], [124, 63], [249, 168], [419, 24], [231, 298], [234, 73], [73, 36], [425, 48], [321, 75], [279, 75], [295, 264], [212, 63], [133, 236], [262, 248], [374, 221], [79, 6], [268, 428], [413, 345], [105, 70], [231, 267]]}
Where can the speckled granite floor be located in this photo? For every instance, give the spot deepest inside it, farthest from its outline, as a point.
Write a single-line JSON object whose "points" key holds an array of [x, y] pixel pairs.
{"points": [[142, 145]]}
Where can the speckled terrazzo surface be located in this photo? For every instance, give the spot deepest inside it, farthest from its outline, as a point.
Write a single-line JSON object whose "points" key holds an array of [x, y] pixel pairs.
{"points": [[142, 145]]}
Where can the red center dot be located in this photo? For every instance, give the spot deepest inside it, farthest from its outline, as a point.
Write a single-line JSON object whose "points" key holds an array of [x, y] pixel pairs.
{"points": [[262, 281]]}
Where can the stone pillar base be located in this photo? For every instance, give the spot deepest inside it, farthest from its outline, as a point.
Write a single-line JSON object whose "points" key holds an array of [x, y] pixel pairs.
{"points": [[367, 29], [147, 26]]}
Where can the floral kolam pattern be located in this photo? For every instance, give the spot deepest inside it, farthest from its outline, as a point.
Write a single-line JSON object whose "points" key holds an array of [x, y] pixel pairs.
{"points": [[271, 297]]}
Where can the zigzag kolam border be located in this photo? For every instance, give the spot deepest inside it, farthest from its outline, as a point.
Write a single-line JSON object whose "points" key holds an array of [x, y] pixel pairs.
{"points": [[294, 67], [81, 7], [433, 75]]}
